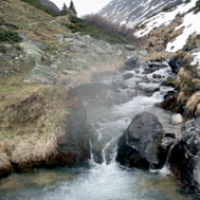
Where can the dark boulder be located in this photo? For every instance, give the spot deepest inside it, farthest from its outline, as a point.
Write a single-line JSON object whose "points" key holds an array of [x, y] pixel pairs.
{"points": [[184, 160], [141, 143], [170, 102], [176, 63], [74, 147], [132, 62]]}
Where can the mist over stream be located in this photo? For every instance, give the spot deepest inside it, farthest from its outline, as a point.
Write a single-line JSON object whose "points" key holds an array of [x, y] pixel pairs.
{"points": [[106, 181]]}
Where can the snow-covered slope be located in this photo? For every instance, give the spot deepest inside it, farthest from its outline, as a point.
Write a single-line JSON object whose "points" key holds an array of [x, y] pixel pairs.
{"points": [[133, 12], [190, 24]]}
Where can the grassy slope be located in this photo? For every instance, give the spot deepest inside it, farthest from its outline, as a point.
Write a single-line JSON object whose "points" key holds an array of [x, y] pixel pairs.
{"points": [[32, 116]]}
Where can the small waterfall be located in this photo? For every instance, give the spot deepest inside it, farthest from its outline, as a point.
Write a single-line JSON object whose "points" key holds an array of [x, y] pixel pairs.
{"points": [[168, 156]]}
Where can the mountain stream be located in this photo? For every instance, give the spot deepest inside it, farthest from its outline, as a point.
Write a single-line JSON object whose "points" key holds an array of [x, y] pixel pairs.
{"points": [[106, 181]]}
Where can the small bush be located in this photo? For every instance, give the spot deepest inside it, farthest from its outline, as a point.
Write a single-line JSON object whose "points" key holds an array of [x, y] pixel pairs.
{"points": [[73, 19], [94, 32], [8, 35]]}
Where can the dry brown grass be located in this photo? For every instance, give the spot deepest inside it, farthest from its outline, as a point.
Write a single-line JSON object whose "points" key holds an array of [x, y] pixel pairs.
{"points": [[192, 106], [4, 158], [100, 66], [33, 117], [33, 22], [31, 122]]}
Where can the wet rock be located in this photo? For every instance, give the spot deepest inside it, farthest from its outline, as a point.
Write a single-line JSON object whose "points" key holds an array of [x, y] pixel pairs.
{"points": [[130, 83], [128, 74], [131, 93], [67, 82], [121, 97], [118, 83], [150, 87], [176, 63], [157, 65], [140, 143], [132, 62], [184, 159], [74, 147], [170, 102]]}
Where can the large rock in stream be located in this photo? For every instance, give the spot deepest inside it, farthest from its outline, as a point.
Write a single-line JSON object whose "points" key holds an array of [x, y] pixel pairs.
{"points": [[141, 143]]}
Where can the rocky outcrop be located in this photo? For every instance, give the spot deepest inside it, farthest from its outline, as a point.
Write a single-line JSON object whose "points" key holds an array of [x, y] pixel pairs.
{"points": [[41, 74], [184, 159], [176, 63], [134, 61], [140, 145], [74, 146], [31, 51]]}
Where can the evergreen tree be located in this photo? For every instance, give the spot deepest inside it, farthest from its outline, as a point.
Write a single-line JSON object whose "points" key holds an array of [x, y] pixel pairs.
{"points": [[64, 10], [72, 8]]}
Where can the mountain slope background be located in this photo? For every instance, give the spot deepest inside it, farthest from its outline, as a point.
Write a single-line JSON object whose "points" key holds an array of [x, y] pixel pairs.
{"points": [[132, 12]]}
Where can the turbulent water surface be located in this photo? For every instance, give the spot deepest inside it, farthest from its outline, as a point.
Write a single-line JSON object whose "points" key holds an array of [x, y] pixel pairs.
{"points": [[101, 181]]}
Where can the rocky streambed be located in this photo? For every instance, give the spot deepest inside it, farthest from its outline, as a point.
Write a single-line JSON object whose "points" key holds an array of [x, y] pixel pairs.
{"points": [[123, 152]]}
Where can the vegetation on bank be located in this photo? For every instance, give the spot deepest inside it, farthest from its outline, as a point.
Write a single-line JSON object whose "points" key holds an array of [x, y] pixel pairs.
{"points": [[9, 35], [83, 26]]}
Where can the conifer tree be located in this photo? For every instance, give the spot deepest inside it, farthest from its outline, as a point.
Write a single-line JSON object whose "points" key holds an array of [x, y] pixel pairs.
{"points": [[64, 10], [72, 8]]}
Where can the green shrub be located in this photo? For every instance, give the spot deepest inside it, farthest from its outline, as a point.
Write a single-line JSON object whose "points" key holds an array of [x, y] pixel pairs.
{"points": [[8, 35], [95, 32], [73, 19]]}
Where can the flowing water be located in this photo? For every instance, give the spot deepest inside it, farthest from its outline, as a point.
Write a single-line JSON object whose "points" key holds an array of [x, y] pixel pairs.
{"points": [[101, 181]]}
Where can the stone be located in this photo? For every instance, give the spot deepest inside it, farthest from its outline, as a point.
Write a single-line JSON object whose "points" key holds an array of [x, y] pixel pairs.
{"points": [[176, 63], [130, 83], [176, 119], [32, 51], [69, 72], [132, 62], [57, 35], [8, 46], [41, 74], [143, 53], [33, 55], [184, 159], [67, 82], [139, 144], [81, 44], [68, 39], [27, 46], [150, 87], [128, 74], [129, 47], [74, 147]]}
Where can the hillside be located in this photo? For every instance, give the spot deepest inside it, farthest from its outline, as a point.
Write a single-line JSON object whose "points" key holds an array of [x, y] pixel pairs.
{"points": [[36, 73]]}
